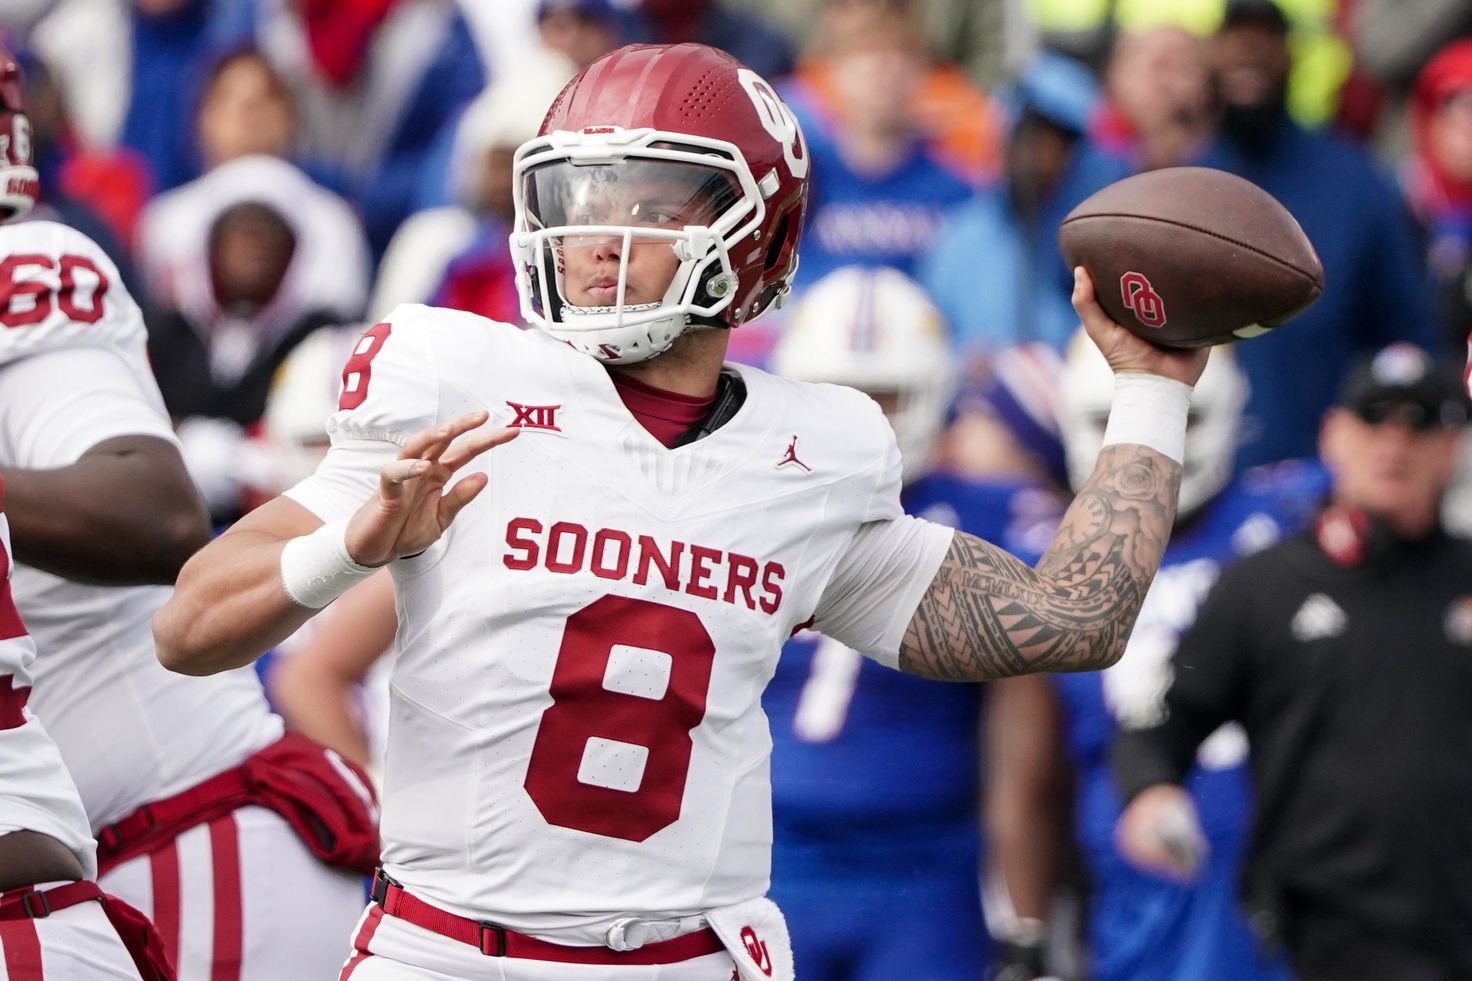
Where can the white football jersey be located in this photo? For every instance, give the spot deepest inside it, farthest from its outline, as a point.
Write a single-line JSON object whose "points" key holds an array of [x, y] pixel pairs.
{"points": [[74, 372], [576, 728], [36, 793]]}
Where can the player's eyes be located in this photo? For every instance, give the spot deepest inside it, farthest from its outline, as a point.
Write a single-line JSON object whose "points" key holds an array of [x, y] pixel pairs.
{"points": [[655, 213]]}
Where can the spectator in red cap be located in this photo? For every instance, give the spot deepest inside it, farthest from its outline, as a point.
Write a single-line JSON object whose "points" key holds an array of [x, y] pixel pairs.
{"points": [[1438, 180]]}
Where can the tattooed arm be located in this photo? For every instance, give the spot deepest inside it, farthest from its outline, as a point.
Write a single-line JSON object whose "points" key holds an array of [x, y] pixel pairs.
{"points": [[987, 615]]}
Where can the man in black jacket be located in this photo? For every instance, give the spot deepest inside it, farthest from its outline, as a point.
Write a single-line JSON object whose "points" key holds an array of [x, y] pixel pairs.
{"points": [[1346, 652]]}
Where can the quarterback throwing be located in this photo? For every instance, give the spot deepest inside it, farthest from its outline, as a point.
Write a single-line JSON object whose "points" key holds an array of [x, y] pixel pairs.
{"points": [[600, 536]]}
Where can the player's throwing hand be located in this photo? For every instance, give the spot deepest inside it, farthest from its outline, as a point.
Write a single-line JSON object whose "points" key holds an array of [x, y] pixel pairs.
{"points": [[412, 508], [1126, 352]]}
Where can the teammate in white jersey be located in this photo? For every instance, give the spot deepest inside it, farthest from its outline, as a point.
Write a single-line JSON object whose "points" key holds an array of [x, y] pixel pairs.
{"points": [[102, 514], [576, 782], [54, 921]]}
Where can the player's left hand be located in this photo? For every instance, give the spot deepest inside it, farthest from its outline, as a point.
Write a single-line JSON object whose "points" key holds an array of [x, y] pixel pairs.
{"points": [[413, 508], [1128, 352]]}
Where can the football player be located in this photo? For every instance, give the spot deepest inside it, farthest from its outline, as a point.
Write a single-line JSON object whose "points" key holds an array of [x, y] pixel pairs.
{"points": [[172, 771], [54, 920], [842, 727], [1141, 927], [577, 762]]}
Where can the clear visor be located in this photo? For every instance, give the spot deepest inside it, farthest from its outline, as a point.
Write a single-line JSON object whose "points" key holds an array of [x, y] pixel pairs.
{"points": [[628, 235], [632, 193]]}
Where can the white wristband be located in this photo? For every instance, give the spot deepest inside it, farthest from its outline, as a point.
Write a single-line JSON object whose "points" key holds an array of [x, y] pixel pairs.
{"points": [[1150, 411], [316, 569]]}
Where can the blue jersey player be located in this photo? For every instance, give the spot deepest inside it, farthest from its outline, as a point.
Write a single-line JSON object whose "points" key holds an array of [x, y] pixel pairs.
{"points": [[1141, 927], [876, 857]]}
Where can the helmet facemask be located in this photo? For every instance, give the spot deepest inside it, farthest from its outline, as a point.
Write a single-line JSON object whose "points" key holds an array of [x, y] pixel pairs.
{"points": [[19, 183], [1213, 430], [596, 212], [1213, 422], [916, 413]]}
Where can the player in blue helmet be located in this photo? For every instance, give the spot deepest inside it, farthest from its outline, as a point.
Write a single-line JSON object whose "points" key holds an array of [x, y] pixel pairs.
{"points": [[1141, 927], [874, 774]]}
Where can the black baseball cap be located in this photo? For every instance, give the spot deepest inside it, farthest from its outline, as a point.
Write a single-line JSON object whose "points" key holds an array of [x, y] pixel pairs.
{"points": [[1403, 382], [1264, 12]]}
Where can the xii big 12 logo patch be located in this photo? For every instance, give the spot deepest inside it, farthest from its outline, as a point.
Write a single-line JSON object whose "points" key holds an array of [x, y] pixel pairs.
{"points": [[1141, 299]]}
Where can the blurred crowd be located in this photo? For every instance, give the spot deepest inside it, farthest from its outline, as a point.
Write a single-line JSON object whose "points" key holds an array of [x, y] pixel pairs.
{"points": [[271, 176]]}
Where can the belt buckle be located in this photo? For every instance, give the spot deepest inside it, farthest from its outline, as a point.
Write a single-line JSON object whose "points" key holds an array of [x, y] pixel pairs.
{"points": [[381, 882], [491, 932], [25, 904]]}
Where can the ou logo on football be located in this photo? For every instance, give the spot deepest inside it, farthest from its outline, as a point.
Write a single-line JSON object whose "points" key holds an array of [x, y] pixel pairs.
{"points": [[1140, 297], [777, 120]]}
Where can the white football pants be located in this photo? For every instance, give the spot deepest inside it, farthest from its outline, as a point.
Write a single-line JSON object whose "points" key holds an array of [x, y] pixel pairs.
{"points": [[241, 899], [74, 944]]}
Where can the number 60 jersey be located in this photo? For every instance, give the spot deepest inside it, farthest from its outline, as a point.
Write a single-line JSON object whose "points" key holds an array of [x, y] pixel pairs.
{"points": [[576, 730]]}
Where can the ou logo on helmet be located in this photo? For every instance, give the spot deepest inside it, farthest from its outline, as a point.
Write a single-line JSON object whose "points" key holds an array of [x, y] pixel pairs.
{"points": [[1140, 297], [777, 120], [15, 146]]}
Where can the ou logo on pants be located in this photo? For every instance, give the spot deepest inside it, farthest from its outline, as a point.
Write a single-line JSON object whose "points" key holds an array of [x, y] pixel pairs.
{"points": [[1140, 297]]}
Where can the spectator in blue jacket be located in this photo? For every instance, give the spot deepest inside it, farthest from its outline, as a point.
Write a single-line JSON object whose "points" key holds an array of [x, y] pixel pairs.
{"points": [[1375, 285], [995, 270], [879, 190]]}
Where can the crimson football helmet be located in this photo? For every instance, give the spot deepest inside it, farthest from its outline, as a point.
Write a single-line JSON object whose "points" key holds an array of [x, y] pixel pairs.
{"points": [[19, 184], [653, 144]]}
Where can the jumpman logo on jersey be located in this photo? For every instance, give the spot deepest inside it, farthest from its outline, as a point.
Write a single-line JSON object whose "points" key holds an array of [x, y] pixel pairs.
{"points": [[791, 457]]}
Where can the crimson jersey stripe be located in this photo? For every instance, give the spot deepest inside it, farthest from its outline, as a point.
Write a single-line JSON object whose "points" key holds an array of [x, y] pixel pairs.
{"points": [[12, 699], [10, 622], [12, 703]]}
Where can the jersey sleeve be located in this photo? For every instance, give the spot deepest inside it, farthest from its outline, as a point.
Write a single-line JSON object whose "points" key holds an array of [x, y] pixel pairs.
{"points": [[390, 391], [390, 383], [57, 405], [879, 582], [883, 500], [886, 567]]}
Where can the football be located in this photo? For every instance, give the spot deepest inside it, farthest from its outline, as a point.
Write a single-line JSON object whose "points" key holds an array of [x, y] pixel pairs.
{"points": [[1190, 256]]}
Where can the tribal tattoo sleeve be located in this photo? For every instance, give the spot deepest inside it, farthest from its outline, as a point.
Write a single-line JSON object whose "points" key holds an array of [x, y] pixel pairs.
{"points": [[987, 615]]}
